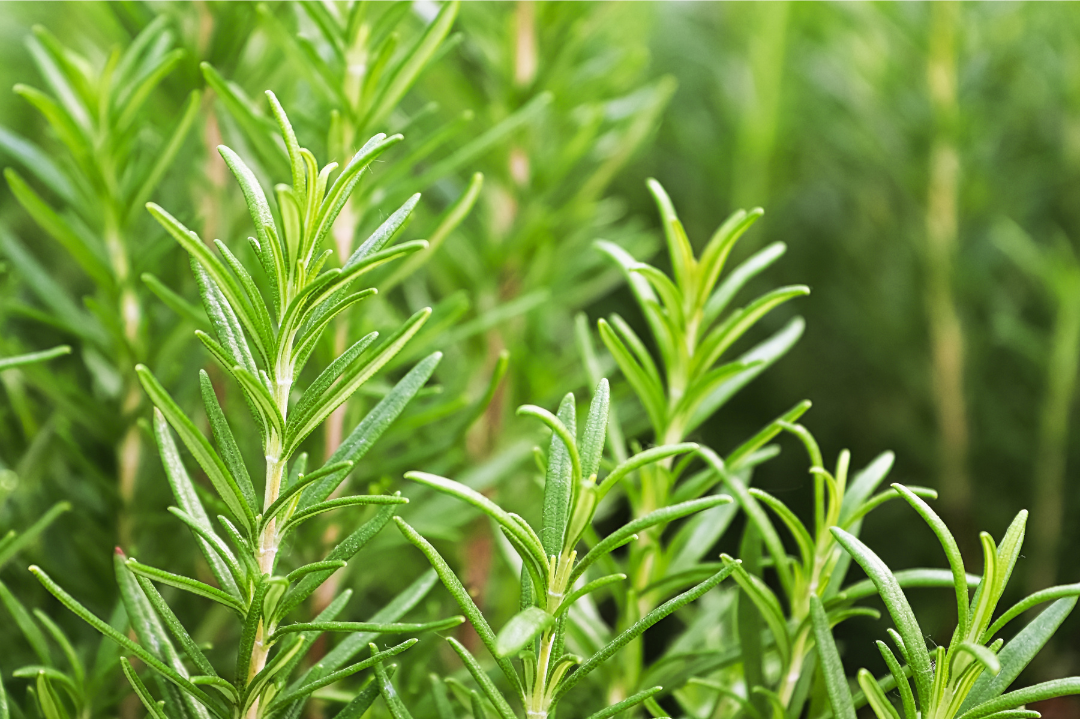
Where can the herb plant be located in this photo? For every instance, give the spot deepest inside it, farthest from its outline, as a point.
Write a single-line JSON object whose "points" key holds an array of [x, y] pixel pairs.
{"points": [[263, 345]]}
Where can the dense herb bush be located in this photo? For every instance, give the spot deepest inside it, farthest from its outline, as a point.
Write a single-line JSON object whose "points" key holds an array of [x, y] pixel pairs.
{"points": [[615, 557]]}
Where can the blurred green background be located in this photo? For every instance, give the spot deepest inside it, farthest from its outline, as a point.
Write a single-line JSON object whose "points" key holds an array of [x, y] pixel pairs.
{"points": [[920, 161]]}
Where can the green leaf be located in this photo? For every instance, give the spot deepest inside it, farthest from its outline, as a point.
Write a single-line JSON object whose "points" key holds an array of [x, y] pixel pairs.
{"points": [[682, 255], [253, 619], [222, 280], [592, 443], [87, 256], [639, 373], [34, 637], [952, 552], [153, 662], [641, 459], [38, 162], [333, 371], [522, 628], [371, 627], [627, 532], [630, 701], [756, 514], [353, 501], [901, 681], [1018, 653], [876, 697], [226, 442], [736, 279], [563, 472], [1032, 600], [191, 312], [165, 157], [78, 672], [461, 596], [190, 647], [154, 708], [351, 381], [982, 655], [354, 643], [638, 628], [389, 694], [414, 61], [481, 677], [184, 491], [831, 667], [1028, 695], [528, 539], [344, 551], [363, 700], [724, 335], [199, 447], [793, 523], [766, 602], [48, 700], [8, 549], [339, 675], [187, 584], [447, 223], [897, 604], [373, 425]]}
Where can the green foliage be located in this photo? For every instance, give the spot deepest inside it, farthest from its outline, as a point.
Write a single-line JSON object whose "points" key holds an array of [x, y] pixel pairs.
{"points": [[593, 585]]}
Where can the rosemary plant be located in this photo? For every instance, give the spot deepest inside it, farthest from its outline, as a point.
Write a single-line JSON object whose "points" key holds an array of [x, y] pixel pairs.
{"points": [[263, 345], [969, 677], [553, 578]]}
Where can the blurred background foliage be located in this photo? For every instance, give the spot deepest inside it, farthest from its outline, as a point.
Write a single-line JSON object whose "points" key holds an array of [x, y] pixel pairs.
{"points": [[918, 160]]}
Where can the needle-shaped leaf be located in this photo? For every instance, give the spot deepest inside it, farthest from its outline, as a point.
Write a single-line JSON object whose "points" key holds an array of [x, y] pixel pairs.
{"points": [[756, 514], [568, 601], [332, 372], [641, 459], [29, 629], [619, 707], [876, 697], [639, 627], [901, 681], [682, 255], [155, 709], [10, 547], [191, 312], [793, 523], [340, 674], [521, 629], [190, 647], [376, 627], [388, 692], [527, 537], [259, 395], [563, 471], [736, 279], [164, 159], [344, 551], [226, 442], [740, 321], [1027, 695], [486, 685], [628, 531], [215, 270], [898, 607], [414, 61], [86, 255], [648, 389], [186, 583], [184, 491], [330, 504], [1019, 651], [120, 638], [592, 442], [199, 447], [952, 551], [253, 619], [350, 381], [461, 596], [832, 669], [766, 602]]}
